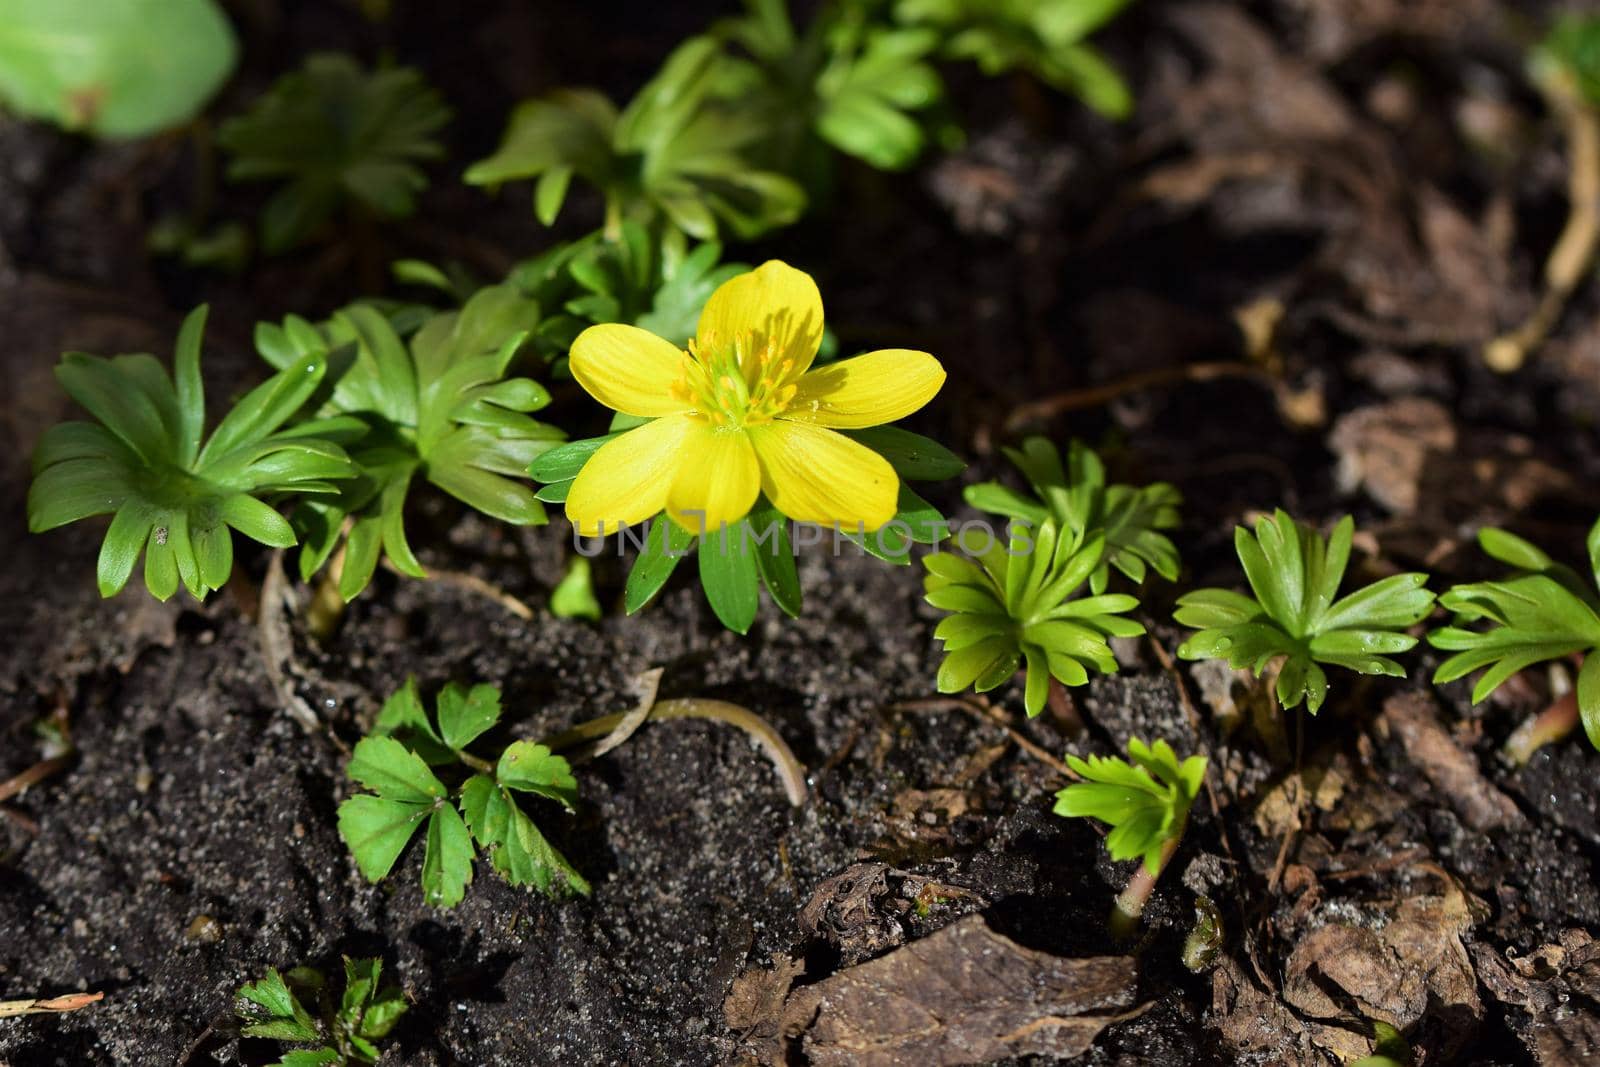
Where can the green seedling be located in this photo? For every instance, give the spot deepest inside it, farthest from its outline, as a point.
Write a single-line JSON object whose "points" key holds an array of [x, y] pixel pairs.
{"points": [[396, 764], [1542, 611], [573, 597], [1020, 603], [336, 135], [633, 280], [1146, 803], [1046, 38], [441, 408], [113, 68], [676, 159], [1075, 496], [346, 1031], [1389, 1048], [1293, 617], [844, 81], [174, 493]]}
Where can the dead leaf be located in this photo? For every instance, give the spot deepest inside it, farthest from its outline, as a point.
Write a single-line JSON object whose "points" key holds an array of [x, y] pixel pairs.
{"points": [[962, 995], [1408, 967], [1452, 772], [1385, 449]]}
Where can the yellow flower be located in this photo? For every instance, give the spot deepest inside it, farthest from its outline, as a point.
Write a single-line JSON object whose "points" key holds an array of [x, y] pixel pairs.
{"points": [[742, 413]]}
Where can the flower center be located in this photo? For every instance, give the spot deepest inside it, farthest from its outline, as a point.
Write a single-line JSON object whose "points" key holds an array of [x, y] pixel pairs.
{"points": [[735, 383]]}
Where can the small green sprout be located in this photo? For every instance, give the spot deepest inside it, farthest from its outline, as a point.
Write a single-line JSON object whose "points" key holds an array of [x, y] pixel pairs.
{"points": [[1293, 617], [593, 280], [395, 762], [1076, 496], [1146, 803], [441, 408], [1018, 603], [175, 494], [113, 68], [346, 1032], [676, 159], [337, 135], [1043, 37], [1389, 1048], [573, 597], [1543, 611], [845, 80]]}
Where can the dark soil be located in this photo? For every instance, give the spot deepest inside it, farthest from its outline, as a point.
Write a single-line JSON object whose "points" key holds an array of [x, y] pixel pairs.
{"points": [[1379, 177]]}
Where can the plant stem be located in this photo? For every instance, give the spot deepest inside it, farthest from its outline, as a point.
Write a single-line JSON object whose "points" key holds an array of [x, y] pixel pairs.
{"points": [[1129, 908], [326, 610], [789, 769], [1550, 725], [1569, 260]]}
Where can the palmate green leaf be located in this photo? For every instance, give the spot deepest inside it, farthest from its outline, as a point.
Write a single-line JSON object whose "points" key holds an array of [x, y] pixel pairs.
{"points": [[1540, 613], [518, 851], [270, 1009], [1043, 37], [335, 133], [1294, 617], [1072, 491], [114, 68], [1021, 605], [174, 495], [1146, 802], [676, 159], [440, 407]]}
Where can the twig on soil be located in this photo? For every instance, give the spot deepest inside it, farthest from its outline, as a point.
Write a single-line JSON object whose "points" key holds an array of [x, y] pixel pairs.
{"points": [[790, 770], [988, 714], [1574, 251], [1550, 725], [48, 1005], [277, 646], [471, 583], [34, 775], [1095, 395]]}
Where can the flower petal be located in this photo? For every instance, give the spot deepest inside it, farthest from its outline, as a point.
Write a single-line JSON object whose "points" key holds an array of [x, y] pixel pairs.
{"points": [[717, 483], [775, 304], [815, 475], [627, 479], [868, 390], [628, 369]]}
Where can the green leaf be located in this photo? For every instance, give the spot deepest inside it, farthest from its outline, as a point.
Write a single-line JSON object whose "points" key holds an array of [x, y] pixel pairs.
{"points": [[464, 714], [730, 577], [447, 863], [393, 771], [271, 1010], [666, 544], [573, 597], [334, 132], [1146, 802], [376, 830], [767, 531], [114, 68], [1294, 617], [517, 849], [533, 768]]}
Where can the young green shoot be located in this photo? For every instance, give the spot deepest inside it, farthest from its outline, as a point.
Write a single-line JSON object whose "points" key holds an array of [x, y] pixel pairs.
{"points": [[440, 407], [1293, 616], [676, 159], [1075, 495], [1542, 611], [336, 136], [340, 1032], [1146, 803], [1045, 38], [1020, 603], [174, 494], [396, 762]]}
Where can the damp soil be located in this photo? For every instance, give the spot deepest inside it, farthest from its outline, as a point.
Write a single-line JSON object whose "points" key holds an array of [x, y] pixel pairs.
{"points": [[1347, 198]]}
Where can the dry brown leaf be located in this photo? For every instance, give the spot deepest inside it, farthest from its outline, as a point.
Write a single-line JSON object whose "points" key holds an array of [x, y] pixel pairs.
{"points": [[1454, 773], [962, 995]]}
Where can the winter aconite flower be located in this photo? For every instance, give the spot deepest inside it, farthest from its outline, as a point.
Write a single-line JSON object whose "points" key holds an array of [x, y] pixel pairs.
{"points": [[741, 413]]}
